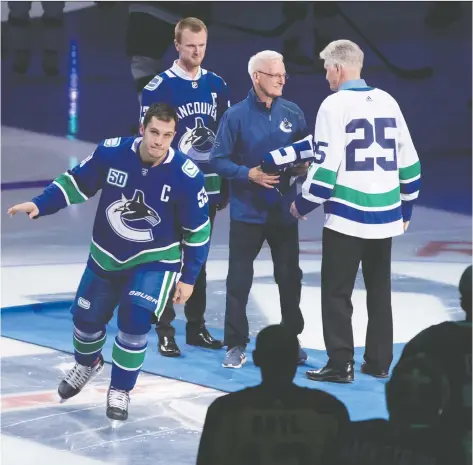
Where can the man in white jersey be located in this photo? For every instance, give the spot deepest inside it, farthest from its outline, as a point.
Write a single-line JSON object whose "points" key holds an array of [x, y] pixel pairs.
{"points": [[367, 175]]}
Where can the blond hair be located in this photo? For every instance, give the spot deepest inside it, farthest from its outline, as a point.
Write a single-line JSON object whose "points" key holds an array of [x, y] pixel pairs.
{"points": [[193, 24]]}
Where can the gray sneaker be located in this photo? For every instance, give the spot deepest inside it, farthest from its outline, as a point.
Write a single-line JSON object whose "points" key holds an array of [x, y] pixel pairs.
{"points": [[234, 358]]}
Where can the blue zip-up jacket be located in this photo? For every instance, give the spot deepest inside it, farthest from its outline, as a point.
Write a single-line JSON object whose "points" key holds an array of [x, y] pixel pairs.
{"points": [[247, 131]]}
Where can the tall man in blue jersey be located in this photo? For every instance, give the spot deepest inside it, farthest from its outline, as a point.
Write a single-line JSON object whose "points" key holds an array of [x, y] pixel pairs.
{"points": [[259, 202], [200, 98], [153, 204]]}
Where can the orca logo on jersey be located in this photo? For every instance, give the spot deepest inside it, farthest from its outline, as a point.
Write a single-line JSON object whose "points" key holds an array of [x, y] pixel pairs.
{"points": [[197, 142], [285, 126], [124, 211]]}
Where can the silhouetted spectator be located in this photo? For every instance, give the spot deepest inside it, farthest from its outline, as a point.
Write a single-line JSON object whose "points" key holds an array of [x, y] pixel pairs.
{"points": [[19, 35], [448, 346], [380, 442], [276, 422], [428, 399]]}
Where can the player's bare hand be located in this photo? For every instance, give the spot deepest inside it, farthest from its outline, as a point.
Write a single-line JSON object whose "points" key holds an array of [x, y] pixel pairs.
{"points": [[182, 293], [29, 208], [406, 225], [258, 176], [300, 170], [295, 213]]}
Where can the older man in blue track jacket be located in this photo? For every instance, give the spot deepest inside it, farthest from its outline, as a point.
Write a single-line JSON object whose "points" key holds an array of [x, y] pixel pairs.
{"points": [[259, 201]]}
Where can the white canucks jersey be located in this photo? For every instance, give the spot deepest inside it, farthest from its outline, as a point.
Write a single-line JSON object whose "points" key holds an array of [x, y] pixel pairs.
{"points": [[366, 170]]}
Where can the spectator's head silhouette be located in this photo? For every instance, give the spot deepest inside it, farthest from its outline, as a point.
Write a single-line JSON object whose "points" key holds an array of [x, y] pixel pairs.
{"points": [[417, 393], [465, 292], [276, 354]]}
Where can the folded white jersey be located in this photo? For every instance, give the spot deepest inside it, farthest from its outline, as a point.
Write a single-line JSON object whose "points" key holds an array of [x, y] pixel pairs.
{"points": [[283, 158]]}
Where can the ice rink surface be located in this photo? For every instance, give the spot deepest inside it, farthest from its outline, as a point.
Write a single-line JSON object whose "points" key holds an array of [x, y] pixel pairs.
{"points": [[42, 262]]}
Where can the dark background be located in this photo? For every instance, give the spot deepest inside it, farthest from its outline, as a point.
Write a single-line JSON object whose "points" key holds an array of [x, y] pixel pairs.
{"points": [[437, 109]]}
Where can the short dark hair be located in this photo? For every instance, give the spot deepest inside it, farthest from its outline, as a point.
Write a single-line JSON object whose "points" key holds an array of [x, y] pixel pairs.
{"points": [[193, 24], [161, 111]]}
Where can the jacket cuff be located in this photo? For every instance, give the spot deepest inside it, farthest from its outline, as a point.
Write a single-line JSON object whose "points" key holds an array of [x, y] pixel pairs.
{"points": [[243, 173], [188, 276], [41, 204], [407, 210], [304, 206]]}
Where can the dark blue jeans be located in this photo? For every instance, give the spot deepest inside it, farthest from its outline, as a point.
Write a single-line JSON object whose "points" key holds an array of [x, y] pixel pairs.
{"points": [[246, 240]]}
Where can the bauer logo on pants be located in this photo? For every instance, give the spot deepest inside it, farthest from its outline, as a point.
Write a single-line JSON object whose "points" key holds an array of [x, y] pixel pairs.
{"points": [[144, 296]]}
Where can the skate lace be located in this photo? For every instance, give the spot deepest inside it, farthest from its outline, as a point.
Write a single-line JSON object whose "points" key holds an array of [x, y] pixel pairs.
{"points": [[78, 376], [118, 399]]}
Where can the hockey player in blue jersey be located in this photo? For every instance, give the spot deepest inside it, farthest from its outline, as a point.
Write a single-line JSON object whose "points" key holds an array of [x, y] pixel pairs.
{"points": [[200, 98], [152, 207]]}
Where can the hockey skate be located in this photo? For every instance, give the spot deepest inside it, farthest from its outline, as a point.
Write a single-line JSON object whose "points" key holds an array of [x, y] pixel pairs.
{"points": [[77, 378], [117, 405]]}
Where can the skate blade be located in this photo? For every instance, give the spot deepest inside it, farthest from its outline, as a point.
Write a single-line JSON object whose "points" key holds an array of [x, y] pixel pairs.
{"points": [[61, 400], [116, 424]]}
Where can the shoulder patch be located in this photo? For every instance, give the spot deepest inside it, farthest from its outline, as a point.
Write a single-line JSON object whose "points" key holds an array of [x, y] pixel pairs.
{"points": [[154, 83], [190, 168], [115, 142]]}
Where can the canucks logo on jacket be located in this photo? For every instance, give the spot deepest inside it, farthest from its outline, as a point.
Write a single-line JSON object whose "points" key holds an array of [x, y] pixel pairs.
{"points": [[200, 103]]}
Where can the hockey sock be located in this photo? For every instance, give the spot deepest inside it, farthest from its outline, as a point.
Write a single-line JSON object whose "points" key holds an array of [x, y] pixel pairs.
{"points": [[128, 356], [87, 346]]}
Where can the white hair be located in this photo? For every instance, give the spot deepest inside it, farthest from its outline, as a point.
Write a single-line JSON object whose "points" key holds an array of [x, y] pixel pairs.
{"points": [[256, 60], [343, 52]]}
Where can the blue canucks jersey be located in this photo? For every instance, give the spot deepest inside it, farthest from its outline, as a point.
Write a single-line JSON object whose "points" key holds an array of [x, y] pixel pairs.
{"points": [[145, 214], [200, 104]]}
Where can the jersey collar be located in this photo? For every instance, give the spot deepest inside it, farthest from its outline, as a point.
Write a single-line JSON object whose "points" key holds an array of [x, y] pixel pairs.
{"points": [[353, 84], [178, 71], [136, 144], [169, 156], [167, 159]]}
